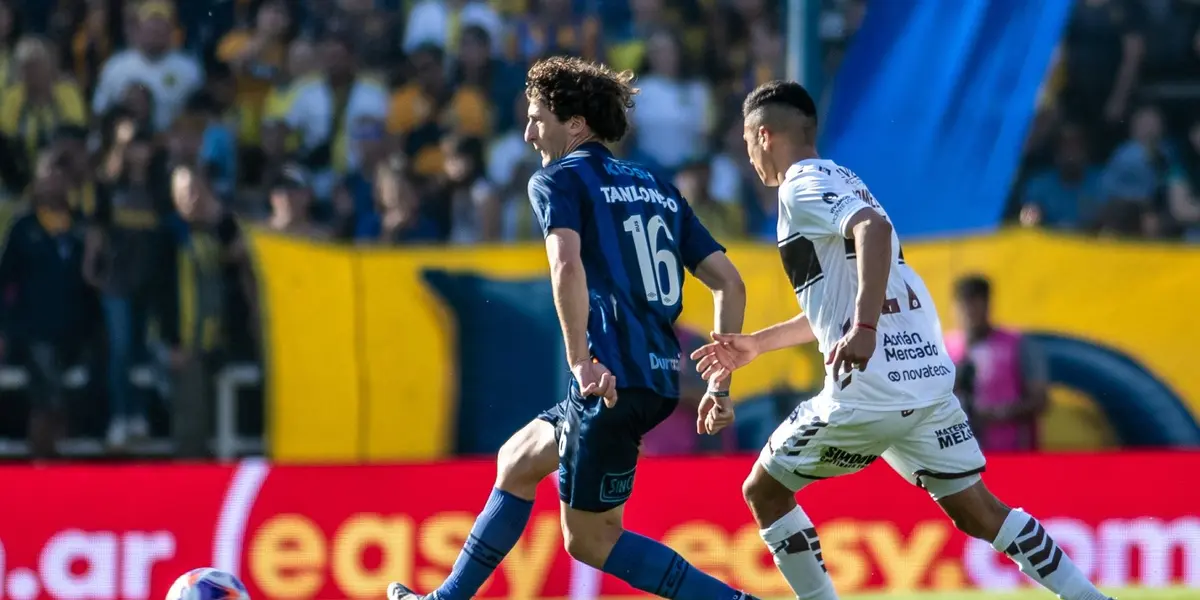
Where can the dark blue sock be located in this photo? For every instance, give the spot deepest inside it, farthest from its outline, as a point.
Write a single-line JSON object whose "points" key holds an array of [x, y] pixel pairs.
{"points": [[652, 567], [496, 531]]}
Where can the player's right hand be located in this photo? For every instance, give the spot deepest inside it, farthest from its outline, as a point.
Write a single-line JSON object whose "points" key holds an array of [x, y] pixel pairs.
{"points": [[717, 360], [595, 380], [713, 414]]}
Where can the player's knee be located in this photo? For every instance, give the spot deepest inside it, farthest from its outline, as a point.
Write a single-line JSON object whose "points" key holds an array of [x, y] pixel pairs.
{"points": [[591, 545], [524, 460], [768, 499], [976, 512]]}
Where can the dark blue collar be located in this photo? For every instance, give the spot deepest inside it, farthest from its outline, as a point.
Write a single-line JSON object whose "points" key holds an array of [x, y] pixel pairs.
{"points": [[594, 148]]}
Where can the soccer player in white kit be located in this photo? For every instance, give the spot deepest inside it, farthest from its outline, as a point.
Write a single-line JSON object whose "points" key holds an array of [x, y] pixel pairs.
{"points": [[888, 382]]}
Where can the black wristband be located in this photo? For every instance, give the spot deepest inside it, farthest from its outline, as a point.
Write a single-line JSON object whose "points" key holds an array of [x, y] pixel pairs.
{"points": [[718, 393]]}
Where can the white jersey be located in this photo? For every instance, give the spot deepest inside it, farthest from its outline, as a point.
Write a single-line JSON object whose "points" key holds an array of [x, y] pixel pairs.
{"points": [[910, 368]]}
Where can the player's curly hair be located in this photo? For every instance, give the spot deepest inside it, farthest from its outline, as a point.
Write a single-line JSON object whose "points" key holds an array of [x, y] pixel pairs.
{"points": [[572, 87]]}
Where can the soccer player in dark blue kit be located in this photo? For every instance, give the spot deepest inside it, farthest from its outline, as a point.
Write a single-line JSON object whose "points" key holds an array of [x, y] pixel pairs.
{"points": [[618, 239]]}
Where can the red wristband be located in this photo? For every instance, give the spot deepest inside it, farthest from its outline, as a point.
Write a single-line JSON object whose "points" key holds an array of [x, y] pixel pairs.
{"points": [[866, 326]]}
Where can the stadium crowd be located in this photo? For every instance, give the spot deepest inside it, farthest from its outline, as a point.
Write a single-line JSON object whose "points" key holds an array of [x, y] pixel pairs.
{"points": [[139, 138]]}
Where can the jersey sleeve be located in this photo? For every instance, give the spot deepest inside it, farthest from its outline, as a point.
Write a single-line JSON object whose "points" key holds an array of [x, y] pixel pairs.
{"points": [[695, 242], [554, 204], [815, 204]]}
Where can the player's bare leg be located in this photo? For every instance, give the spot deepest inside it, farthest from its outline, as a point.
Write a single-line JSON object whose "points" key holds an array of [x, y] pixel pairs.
{"points": [[789, 534], [525, 459], [599, 539], [978, 513]]}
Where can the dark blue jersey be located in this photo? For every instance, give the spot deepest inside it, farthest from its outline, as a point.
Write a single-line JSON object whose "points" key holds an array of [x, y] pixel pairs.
{"points": [[638, 234]]}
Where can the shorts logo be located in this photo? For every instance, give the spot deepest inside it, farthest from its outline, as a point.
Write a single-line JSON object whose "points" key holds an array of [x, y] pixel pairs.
{"points": [[906, 413], [846, 460], [616, 487], [926, 372], [954, 435]]}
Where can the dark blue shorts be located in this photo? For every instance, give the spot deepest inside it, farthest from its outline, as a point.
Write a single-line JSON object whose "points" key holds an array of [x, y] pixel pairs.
{"points": [[598, 446]]}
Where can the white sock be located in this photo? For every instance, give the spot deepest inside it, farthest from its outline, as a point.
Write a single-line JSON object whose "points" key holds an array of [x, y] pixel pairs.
{"points": [[793, 543], [1026, 542]]}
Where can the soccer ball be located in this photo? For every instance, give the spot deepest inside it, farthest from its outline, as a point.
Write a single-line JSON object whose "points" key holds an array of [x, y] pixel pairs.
{"points": [[207, 584]]}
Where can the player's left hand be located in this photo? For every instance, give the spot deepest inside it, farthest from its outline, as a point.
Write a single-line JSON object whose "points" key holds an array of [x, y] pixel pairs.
{"points": [[595, 380], [852, 351], [713, 414]]}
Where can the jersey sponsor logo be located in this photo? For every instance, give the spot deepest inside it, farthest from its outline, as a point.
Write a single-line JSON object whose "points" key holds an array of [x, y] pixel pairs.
{"points": [[927, 372], [637, 193], [618, 169], [906, 345], [954, 435], [846, 460], [616, 487], [663, 363], [839, 207]]}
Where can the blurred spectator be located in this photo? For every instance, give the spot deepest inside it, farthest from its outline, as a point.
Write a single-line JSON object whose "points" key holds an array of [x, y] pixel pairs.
{"points": [[124, 244], [723, 219], [256, 57], [400, 219], [1135, 177], [674, 114], [91, 43], [199, 139], [70, 146], [1104, 48], [230, 128], [1001, 379], [136, 102], [485, 83], [473, 202], [275, 152], [171, 76], [47, 311], [378, 33], [422, 111], [10, 32], [206, 267], [302, 102], [733, 181], [625, 47], [553, 28], [440, 23], [1171, 70], [33, 108], [510, 163], [1067, 196], [359, 101], [1183, 186], [748, 35], [291, 205]]}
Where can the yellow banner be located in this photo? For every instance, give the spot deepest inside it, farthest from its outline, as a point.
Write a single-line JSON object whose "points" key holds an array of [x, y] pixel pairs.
{"points": [[362, 355]]}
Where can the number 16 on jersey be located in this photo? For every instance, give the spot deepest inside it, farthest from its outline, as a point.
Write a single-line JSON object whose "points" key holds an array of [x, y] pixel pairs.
{"points": [[653, 261]]}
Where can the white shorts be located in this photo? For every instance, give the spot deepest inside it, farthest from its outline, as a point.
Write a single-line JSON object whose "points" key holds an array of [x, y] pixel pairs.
{"points": [[932, 447]]}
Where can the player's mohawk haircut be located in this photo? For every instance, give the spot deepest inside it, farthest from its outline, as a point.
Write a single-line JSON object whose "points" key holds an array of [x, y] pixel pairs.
{"points": [[787, 94], [573, 87]]}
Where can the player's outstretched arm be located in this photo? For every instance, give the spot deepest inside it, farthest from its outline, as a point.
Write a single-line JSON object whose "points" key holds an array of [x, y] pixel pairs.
{"points": [[729, 310], [729, 296], [730, 351]]}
